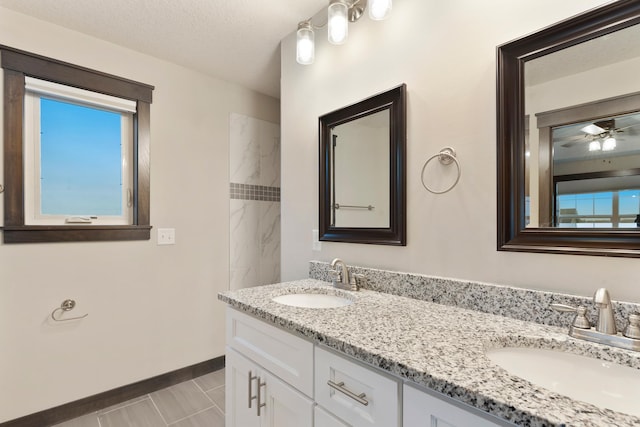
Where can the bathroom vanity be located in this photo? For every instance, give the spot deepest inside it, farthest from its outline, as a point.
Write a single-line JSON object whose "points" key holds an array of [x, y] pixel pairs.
{"points": [[388, 360], [277, 379]]}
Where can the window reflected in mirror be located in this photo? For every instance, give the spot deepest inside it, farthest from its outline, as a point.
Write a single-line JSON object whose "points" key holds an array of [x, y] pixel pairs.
{"points": [[595, 173]]}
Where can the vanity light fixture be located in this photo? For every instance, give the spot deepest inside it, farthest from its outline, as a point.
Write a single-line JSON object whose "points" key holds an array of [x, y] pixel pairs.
{"points": [[338, 22], [305, 46], [379, 9], [339, 14]]}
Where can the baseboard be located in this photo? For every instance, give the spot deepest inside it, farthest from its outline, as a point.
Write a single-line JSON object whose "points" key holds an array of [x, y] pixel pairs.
{"points": [[105, 399]]}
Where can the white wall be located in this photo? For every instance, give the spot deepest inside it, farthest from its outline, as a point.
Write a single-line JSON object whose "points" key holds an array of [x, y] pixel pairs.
{"points": [[152, 309], [446, 54]]}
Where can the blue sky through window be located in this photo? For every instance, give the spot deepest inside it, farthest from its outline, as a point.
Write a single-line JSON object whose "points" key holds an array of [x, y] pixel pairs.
{"points": [[630, 202], [80, 160]]}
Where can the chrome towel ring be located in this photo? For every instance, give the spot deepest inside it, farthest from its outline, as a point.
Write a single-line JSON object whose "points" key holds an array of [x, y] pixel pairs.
{"points": [[67, 305], [446, 156]]}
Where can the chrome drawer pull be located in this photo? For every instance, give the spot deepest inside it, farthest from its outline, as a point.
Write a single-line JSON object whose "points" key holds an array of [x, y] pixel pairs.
{"points": [[251, 378], [260, 405], [360, 398]]}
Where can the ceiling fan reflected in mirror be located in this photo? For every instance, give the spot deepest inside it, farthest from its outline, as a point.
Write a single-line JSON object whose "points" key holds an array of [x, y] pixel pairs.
{"points": [[601, 135], [604, 130]]}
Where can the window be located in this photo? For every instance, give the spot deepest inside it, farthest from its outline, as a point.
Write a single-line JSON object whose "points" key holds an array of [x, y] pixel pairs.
{"points": [[76, 148]]}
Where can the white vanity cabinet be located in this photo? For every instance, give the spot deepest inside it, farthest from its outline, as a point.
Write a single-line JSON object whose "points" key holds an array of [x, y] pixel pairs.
{"points": [[421, 409], [276, 379], [269, 375]]}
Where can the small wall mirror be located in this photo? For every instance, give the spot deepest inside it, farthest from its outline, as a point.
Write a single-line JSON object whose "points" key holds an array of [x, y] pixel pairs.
{"points": [[362, 171], [569, 136]]}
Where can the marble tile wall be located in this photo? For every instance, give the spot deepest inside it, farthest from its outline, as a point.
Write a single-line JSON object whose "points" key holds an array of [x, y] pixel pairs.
{"points": [[254, 201]]}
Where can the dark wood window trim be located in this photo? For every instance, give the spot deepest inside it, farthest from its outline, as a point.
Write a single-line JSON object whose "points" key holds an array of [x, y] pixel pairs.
{"points": [[16, 65]]}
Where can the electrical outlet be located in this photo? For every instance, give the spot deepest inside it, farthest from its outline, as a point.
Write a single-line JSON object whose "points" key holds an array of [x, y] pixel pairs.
{"points": [[316, 245], [166, 236]]}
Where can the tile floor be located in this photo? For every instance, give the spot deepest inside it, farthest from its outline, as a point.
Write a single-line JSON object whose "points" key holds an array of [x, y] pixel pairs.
{"points": [[194, 403]]}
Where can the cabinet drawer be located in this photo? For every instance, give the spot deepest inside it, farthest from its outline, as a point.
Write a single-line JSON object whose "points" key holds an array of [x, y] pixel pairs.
{"points": [[424, 410], [283, 354], [358, 395]]}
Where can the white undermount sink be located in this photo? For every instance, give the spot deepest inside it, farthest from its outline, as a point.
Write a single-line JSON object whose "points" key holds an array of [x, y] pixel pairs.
{"points": [[312, 300], [604, 384]]}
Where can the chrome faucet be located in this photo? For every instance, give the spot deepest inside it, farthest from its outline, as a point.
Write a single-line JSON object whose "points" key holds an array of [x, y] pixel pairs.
{"points": [[605, 330], [606, 319], [341, 277]]}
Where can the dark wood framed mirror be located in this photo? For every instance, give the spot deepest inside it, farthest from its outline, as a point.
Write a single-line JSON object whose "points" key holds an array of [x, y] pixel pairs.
{"points": [[566, 94], [363, 171]]}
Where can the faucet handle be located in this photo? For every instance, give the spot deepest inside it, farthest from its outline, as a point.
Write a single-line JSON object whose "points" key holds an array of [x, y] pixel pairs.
{"points": [[358, 280], [633, 329], [580, 321]]}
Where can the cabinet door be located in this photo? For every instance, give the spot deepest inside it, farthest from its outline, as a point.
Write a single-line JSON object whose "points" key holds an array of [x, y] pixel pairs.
{"points": [[424, 410], [284, 406], [322, 418], [281, 405], [239, 410]]}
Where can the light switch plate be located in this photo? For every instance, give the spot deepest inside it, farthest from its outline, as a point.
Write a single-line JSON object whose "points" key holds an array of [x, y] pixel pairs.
{"points": [[166, 236]]}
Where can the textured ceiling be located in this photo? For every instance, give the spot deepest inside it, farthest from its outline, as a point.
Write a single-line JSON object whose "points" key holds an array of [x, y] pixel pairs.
{"points": [[235, 40], [615, 47]]}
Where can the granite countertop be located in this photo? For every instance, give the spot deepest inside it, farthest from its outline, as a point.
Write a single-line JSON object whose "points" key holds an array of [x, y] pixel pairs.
{"points": [[439, 347]]}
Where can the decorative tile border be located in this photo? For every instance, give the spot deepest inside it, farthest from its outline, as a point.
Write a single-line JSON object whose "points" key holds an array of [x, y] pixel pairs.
{"points": [[516, 303], [254, 192]]}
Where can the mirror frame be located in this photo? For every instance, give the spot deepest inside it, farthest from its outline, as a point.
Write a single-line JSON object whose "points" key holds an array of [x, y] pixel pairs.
{"points": [[511, 59], [395, 101]]}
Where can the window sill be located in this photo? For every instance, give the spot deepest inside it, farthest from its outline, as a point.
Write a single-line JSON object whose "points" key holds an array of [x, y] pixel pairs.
{"points": [[74, 233]]}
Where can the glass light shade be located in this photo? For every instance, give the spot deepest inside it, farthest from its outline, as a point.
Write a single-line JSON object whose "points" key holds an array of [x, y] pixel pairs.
{"points": [[379, 9], [305, 45], [594, 145], [609, 144], [338, 20]]}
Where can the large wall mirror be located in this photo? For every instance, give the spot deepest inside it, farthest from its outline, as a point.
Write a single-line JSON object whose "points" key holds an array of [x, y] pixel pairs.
{"points": [[569, 136], [362, 171]]}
